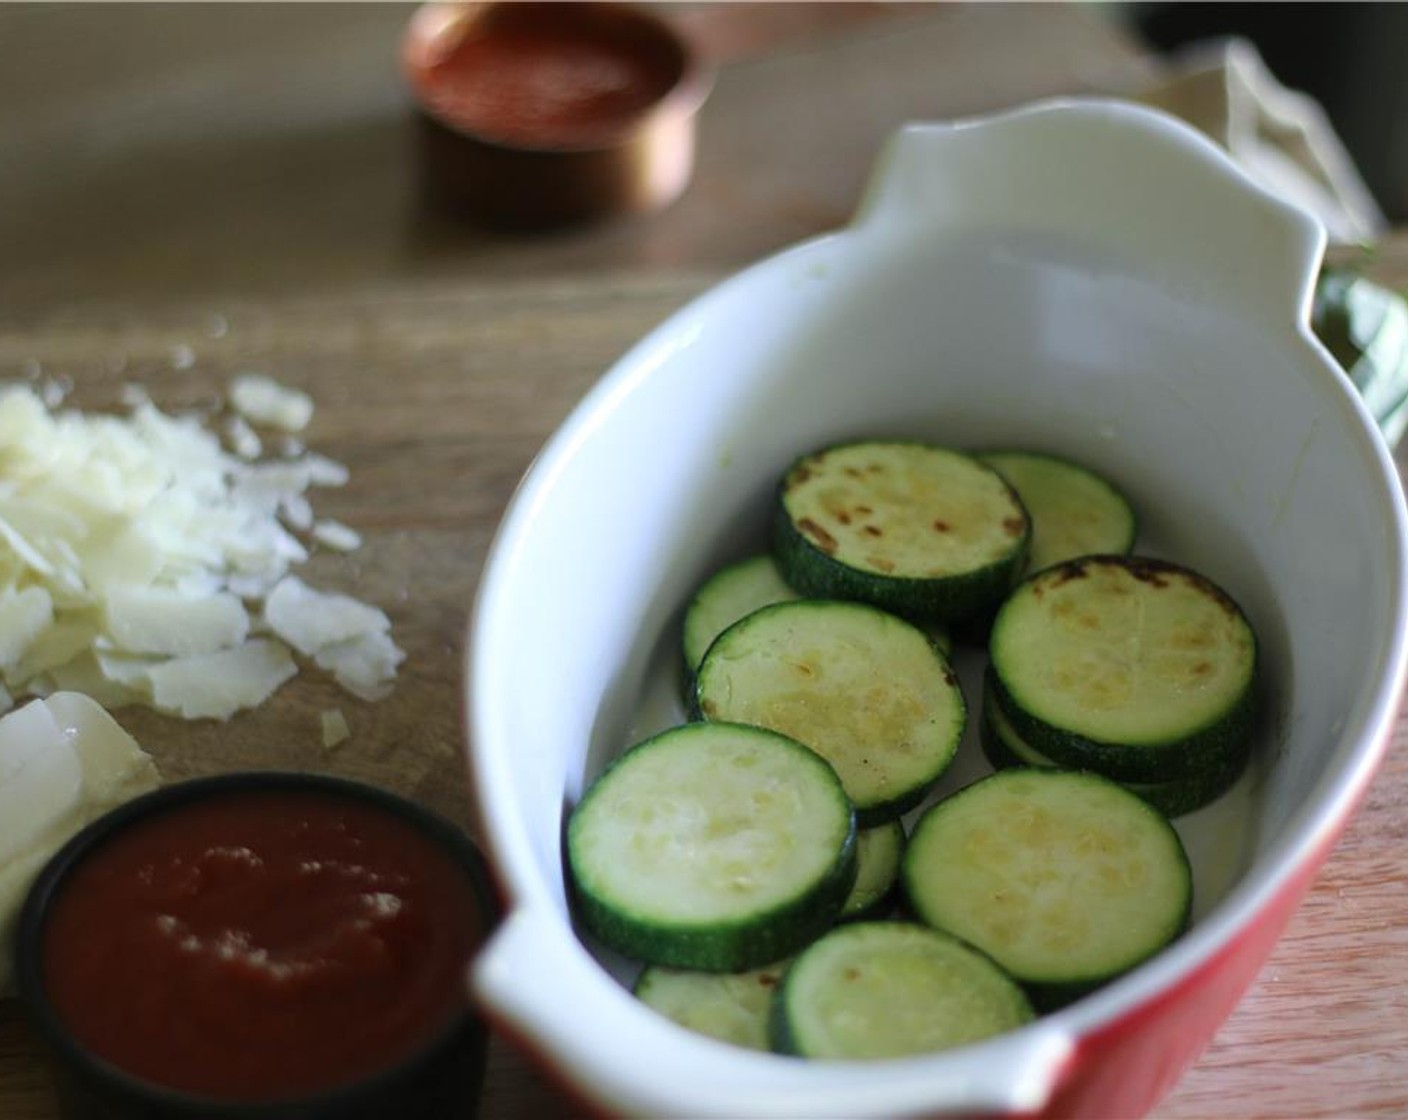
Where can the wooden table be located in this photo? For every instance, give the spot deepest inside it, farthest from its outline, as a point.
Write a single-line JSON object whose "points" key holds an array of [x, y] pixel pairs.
{"points": [[216, 189]]}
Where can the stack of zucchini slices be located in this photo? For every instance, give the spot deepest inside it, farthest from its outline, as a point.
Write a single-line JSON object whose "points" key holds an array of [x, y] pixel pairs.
{"points": [[756, 859]]}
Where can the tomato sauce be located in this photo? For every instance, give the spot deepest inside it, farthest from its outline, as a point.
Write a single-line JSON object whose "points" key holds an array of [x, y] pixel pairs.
{"points": [[262, 944], [546, 75]]}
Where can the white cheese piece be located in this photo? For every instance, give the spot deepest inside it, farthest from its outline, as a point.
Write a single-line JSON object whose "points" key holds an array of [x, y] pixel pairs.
{"points": [[39, 777], [217, 685], [131, 671], [323, 471], [131, 555], [53, 392], [63, 761], [83, 674], [163, 620], [24, 549], [310, 620], [114, 766], [127, 541], [244, 440], [334, 727], [25, 614], [336, 535], [297, 511], [58, 644], [365, 665], [263, 400]]}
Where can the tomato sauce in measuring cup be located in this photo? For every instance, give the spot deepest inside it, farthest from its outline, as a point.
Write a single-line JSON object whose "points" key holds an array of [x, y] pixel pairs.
{"points": [[545, 114]]}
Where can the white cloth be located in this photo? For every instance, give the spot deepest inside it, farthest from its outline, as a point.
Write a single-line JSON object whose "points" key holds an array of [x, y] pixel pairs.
{"points": [[1281, 137]]}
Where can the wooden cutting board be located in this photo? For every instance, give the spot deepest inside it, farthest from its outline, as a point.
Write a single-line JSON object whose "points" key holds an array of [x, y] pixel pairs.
{"points": [[436, 399], [436, 402]]}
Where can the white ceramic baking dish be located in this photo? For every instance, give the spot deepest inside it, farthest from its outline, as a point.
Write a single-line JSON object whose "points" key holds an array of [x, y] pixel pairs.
{"points": [[1090, 278]]}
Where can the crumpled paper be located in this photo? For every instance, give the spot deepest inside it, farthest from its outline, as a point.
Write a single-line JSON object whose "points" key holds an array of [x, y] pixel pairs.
{"points": [[1280, 137], [1284, 141]]}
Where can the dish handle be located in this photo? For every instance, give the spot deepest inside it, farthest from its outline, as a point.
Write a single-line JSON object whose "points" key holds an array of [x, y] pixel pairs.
{"points": [[535, 983], [1125, 183]]}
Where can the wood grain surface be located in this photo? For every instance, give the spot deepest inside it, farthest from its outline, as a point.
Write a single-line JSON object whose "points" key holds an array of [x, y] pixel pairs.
{"points": [[230, 184], [205, 149], [437, 403]]}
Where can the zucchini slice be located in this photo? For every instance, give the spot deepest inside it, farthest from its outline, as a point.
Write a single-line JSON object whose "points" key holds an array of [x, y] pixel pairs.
{"points": [[733, 1007], [888, 989], [725, 597], [712, 846], [1136, 668], [924, 531], [1004, 748], [863, 688], [1065, 879], [878, 853], [1074, 511]]}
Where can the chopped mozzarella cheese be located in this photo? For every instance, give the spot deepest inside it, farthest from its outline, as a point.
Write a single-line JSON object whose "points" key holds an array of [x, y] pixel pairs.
{"points": [[63, 761], [166, 620], [244, 440], [336, 535], [364, 665], [323, 471], [135, 551], [311, 620], [58, 644], [335, 729], [264, 401], [84, 674], [38, 779], [25, 614], [349, 639], [217, 685]]}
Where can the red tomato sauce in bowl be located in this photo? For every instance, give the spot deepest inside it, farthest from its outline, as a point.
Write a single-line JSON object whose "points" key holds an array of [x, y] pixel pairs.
{"points": [[260, 944], [549, 76]]}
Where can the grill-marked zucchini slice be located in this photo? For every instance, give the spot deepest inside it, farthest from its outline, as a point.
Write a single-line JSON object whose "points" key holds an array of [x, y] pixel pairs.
{"points": [[1065, 879], [924, 531], [1004, 748], [730, 1006], [1136, 668], [712, 846], [886, 989], [1074, 511], [863, 688]]}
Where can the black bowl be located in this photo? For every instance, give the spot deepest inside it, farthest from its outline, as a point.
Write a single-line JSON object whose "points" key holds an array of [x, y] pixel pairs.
{"points": [[444, 1078]]}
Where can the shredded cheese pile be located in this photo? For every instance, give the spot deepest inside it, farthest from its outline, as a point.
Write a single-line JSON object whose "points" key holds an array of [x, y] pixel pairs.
{"points": [[143, 563]]}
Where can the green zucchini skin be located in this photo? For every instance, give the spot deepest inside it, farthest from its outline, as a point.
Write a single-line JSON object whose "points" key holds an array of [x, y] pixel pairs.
{"points": [[735, 590], [818, 554], [878, 853], [875, 990], [1075, 511], [1064, 878], [1004, 749], [656, 842], [1208, 749], [734, 1007], [868, 691], [1209, 742]]}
